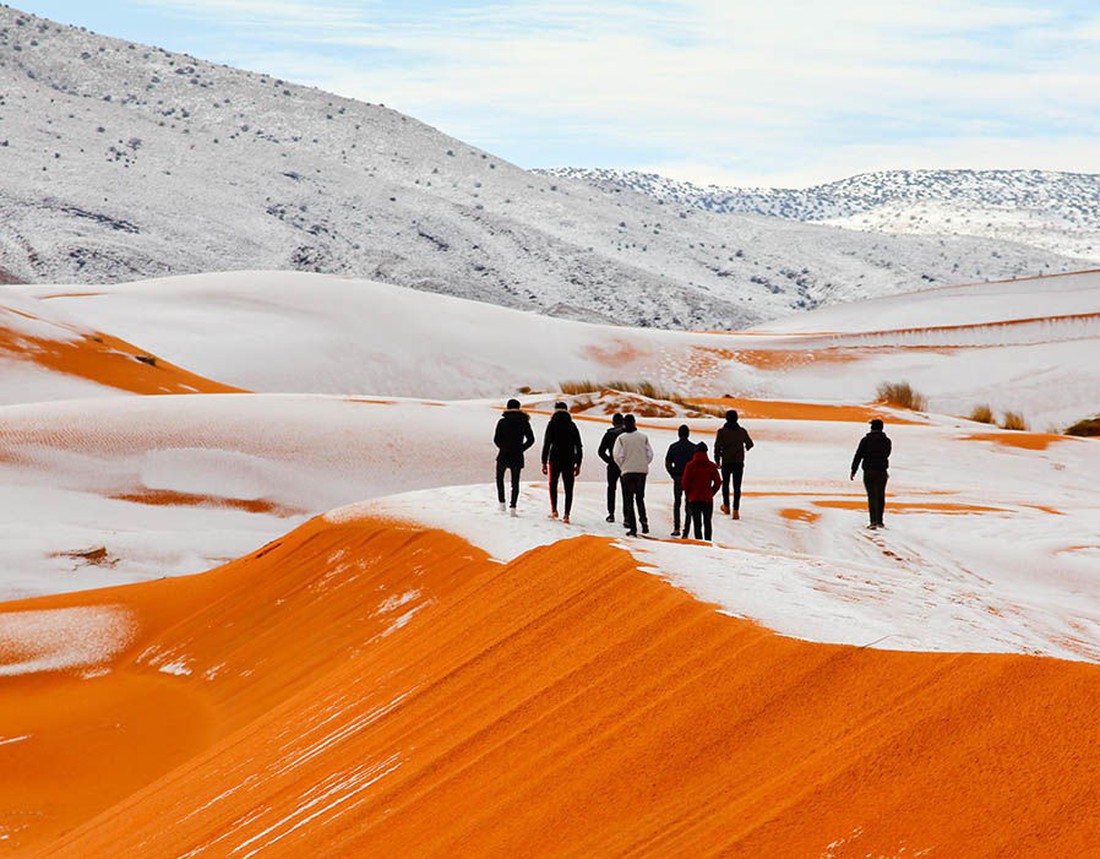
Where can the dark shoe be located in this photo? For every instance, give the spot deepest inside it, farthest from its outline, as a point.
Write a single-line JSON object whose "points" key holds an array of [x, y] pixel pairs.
{"points": [[610, 518], [736, 514], [645, 527], [675, 532], [632, 533]]}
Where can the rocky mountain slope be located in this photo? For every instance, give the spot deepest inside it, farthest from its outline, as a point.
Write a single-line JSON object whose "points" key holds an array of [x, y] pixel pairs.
{"points": [[1058, 212], [123, 161]]}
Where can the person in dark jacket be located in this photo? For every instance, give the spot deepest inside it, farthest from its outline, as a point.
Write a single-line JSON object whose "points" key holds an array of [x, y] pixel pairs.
{"points": [[607, 445], [874, 454], [561, 457], [678, 456], [701, 480], [512, 438], [730, 445]]}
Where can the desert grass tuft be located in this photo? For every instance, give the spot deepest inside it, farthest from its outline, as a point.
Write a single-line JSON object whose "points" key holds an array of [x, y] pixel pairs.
{"points": [[649, 390], [1089, 427], [902, 395], [982, 414], [1013, 421]]}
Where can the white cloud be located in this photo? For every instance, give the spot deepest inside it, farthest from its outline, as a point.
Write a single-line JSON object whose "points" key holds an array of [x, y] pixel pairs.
{"points": [[782, 88]]}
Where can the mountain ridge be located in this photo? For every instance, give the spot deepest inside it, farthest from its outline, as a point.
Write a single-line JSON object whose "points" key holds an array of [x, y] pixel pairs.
{"points": [[1047, 209], [124, 161]]}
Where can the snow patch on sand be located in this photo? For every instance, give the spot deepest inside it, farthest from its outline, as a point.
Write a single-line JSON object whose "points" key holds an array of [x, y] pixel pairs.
{"points": [[62, 639]]}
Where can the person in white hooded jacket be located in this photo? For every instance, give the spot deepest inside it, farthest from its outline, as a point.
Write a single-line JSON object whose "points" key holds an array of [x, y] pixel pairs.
{"points": [[633, 454]]}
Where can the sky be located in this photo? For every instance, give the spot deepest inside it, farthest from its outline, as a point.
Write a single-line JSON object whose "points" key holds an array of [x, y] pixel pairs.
{"points": [[729, 92]]}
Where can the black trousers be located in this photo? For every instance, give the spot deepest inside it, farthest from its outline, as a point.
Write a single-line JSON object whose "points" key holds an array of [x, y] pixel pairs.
{"points": [[565, 472], [613, 477], [700, 514], [515, 469], [736, 470], [875, 483], [634, 494], [677, 498]]}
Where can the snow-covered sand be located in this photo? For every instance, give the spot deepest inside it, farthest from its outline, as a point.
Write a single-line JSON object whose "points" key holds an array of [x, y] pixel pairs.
{"points": [[991, 543], [377, 613]]}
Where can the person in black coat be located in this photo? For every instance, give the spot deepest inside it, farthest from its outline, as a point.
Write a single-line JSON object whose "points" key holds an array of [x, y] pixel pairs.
{"points": [[561, 457], [730, 444], [680, 453], [874, 454], [513, 437], [607, 445]]}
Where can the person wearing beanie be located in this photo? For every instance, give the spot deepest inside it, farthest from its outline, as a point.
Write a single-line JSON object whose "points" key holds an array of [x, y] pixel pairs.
{"points": [[679, 454], [633, 454], [561, 457], [513, 437], [701, 480], [607, 445], [873, 454], [730, 445]]}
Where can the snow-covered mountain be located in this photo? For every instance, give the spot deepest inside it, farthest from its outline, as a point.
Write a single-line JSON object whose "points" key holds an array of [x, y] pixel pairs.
{"points": [[121, 161], [1057, 212]]}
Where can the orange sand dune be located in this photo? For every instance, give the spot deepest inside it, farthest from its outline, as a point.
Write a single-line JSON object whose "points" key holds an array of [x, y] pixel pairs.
{"points": [[1024, 440], [912, 506], [108, 361], [369, 689], [170, 497], [781, 410]]}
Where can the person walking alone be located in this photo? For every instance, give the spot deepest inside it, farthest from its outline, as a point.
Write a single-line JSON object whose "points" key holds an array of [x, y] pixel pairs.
{"points": [[678, 456], [730, 445], [513, 437], [874, 454], [561, 457], [633, 454], [701, 480], [607, 446]]}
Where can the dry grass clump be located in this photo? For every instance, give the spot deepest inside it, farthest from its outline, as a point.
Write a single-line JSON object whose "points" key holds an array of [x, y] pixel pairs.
{"points": [[1013, 421], [902, 395], [643, 389], [580, 386], [587, 386], [1088, 428], [983, 414]]}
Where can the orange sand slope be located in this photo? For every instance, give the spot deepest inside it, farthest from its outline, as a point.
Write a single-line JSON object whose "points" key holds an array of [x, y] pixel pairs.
{"points": [[781, 410], [372, 689], [107, 360]]}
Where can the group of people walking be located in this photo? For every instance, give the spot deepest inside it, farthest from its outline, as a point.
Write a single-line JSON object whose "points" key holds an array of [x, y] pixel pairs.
{"points": [[627, 454]]}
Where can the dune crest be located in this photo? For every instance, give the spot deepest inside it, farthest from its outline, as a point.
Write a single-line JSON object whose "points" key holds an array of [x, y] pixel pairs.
{"points": [[367, 687]]}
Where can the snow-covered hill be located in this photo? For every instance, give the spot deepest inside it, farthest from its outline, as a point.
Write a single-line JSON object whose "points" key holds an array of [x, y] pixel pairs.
{"points": [[1023, 346], [1056, 212], [122, 161]]}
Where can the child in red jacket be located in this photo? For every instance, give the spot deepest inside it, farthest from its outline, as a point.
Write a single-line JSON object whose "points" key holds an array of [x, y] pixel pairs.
{"points": [[700, 481]]}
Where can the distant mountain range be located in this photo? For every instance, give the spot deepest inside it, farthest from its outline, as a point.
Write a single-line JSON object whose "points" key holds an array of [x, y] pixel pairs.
{"points": [[120, 161], [1053, 211]]}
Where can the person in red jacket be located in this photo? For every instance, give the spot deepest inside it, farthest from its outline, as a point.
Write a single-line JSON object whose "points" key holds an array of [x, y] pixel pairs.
{"points": [[700, 481]]}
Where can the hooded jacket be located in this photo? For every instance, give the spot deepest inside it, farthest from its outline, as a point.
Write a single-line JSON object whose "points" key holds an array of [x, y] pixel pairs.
{"points": [[607, 446], [513, 436], [730, 444], [679, 454], [873, 451], [701, 479], [562, 443], [633, 453]]}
